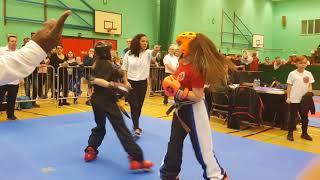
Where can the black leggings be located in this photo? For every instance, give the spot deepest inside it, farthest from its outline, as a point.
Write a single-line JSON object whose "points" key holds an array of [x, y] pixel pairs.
{"points": [[165, 98], [107, 108], [136, 99]]}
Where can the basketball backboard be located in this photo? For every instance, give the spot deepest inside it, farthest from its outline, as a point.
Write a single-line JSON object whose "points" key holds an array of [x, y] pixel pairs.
{"points": [[108, 22], [258, 41]]}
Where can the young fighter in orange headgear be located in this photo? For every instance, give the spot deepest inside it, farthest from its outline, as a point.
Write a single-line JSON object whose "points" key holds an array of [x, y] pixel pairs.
{"points": [[200, 63]]}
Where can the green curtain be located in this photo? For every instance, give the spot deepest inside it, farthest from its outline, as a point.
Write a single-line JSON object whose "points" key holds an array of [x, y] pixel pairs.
{"points": [[167, 21]]}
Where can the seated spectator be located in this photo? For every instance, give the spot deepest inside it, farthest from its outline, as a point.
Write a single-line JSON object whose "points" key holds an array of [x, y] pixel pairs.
{"points": [[291, 59], [313, 58], [238, 63], [254, 65], [246, 59], [267, 61], [277, 63], [317, 54]]}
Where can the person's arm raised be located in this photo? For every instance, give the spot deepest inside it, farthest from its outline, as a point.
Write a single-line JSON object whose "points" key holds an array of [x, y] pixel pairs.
{"points": [[49, 36], [22, 62]]}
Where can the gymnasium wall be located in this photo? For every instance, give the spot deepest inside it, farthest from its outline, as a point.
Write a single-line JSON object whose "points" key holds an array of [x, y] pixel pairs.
{"points": [[290, 37], [260, 16], [138, 16], [205, 16]]}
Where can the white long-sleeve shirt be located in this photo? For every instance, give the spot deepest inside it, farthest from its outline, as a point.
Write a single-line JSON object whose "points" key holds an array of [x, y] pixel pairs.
{"points": [[3, 51], [171, 60], [138, 68], [21, 63]]}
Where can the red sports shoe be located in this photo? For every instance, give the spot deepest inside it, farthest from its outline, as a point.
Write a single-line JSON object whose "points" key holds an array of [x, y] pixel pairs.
{"points": [[225, 177], [144, 165], [90, 154]]}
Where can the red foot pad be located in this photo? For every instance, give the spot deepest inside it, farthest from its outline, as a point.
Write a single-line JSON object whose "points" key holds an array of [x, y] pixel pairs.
{"points": [[144, 165], [90, 154], [225, 177]]}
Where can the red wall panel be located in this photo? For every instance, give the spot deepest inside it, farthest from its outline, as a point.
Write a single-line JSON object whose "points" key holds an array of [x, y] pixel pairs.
{"points": [[80, 46]]}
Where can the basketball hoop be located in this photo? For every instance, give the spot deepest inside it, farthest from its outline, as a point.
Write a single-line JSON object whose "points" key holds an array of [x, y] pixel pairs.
{"points": [[111, 31], [258, 43]]}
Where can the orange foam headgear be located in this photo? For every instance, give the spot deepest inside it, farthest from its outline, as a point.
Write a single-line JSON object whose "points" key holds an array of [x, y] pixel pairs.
{"points": [[183, 41]]}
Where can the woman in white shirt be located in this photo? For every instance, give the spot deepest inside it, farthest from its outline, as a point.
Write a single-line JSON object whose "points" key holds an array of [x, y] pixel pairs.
{"points": [[171, 63], [136, 64]]}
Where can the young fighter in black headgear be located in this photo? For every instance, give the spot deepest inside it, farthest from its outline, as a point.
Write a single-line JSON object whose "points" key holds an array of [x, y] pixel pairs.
{"points": [[104, 105]]}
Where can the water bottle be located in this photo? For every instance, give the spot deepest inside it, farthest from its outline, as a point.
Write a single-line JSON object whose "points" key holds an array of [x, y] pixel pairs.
{"points": [[255, 81], [258, 82]]}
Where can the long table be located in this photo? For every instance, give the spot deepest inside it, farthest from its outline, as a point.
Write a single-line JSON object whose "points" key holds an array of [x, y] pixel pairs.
{"points": [[275, 106]]}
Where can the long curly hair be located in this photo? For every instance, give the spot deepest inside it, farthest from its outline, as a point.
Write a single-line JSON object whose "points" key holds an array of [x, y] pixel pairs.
{"points": [[206, 59], [135, 46]]}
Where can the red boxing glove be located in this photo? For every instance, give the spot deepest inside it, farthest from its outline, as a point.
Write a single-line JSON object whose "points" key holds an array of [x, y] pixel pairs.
{"points": [[172, 87]]}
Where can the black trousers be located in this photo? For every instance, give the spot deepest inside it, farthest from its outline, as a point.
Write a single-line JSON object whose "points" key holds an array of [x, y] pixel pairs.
{"points": [[42, 78], [173, 159], [107, 108], [31, 82], [63, 84], [165, 98], [209, 98], [171, 166], [293, 109], [12, 91], [136, 99]]}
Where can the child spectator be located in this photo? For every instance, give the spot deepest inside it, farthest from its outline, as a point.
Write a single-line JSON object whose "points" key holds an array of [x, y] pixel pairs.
{"points": [[299, 83]]}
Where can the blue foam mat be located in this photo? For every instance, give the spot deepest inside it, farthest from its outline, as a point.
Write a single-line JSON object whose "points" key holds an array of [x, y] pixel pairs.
{"points": [[52, 148], [315, 121]]}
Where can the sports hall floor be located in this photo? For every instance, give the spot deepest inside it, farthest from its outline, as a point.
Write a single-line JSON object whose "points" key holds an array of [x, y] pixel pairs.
{"points": [[48, 143]]}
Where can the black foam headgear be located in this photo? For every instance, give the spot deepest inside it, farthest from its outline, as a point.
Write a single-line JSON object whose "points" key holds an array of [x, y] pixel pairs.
{"points": [[102, 50]]}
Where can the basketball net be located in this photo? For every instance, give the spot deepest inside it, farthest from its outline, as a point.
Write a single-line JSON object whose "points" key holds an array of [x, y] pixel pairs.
{"points": [[110, 31], [258, 43]]}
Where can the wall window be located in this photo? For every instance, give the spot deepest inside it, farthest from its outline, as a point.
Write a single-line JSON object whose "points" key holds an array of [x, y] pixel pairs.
{"points": [[317, 26], [310, 27], [304, 26]]}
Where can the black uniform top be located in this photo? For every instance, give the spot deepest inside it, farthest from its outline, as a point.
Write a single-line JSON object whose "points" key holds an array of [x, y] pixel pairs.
{"points": [[107, 71]]}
